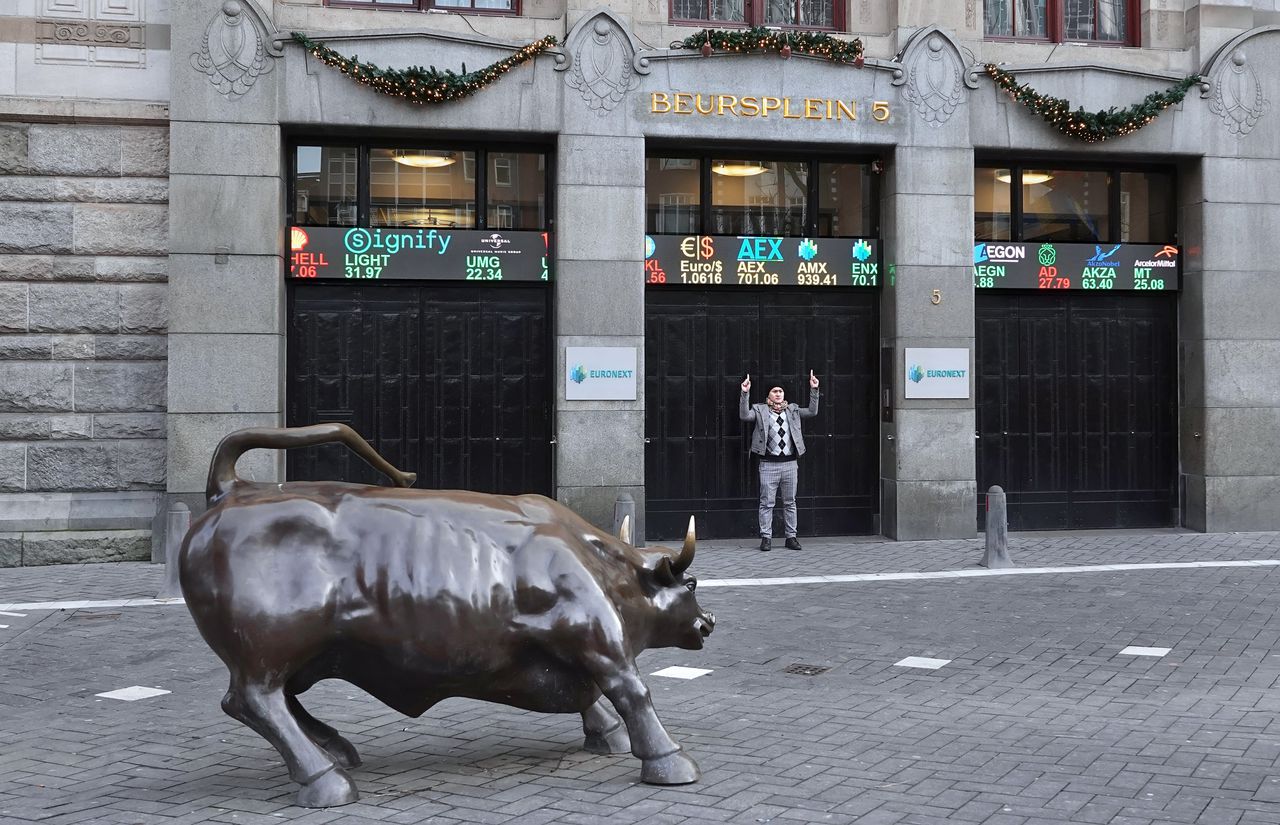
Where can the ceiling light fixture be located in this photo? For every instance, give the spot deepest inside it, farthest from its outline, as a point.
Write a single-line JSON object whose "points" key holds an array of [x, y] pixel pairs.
{"points": [[1029, 177], [738, 168], [420, 159]]}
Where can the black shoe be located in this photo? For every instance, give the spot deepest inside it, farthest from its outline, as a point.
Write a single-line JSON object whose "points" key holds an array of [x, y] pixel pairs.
{"points": [[766, 544], [793, 543]]}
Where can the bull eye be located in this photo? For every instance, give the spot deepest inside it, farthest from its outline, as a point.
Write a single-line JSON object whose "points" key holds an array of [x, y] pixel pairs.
{"points": [[692, 583]]}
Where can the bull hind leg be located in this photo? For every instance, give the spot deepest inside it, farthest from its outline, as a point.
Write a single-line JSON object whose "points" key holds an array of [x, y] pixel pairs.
{"points": [[605, 733], [334, 743], [266, 710]]}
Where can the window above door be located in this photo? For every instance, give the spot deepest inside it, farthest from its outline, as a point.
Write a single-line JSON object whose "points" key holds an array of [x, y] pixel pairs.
{"points": [[1108, 22]]}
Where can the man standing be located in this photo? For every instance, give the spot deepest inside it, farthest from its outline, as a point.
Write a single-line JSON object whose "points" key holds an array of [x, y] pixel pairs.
{"points": [[778, 443]]}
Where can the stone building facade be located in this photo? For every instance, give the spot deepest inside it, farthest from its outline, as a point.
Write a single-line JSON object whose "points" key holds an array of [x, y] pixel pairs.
{"points": [[145, 308]]}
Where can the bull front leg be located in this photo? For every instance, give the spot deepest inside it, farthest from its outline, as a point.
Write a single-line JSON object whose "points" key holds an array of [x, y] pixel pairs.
{"points": [[662, 762], [605, 733]]}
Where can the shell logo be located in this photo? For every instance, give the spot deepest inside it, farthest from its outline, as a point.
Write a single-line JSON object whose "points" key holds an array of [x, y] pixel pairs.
{"points": [[298, 238]]}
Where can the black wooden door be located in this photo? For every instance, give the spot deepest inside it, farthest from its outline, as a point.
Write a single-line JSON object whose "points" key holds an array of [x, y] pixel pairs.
{"points": [[1077, 408], [450, 382], [699, 344]]}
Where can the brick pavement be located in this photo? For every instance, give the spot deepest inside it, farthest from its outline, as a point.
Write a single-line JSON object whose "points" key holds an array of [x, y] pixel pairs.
{"points": [[1037, 718]]}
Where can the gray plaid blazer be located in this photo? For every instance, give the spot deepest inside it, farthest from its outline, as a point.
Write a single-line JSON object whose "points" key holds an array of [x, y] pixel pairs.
{"points": [[761, 414]]}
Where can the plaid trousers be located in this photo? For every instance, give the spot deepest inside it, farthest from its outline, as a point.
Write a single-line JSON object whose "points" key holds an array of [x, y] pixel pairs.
{"points": [[778, 477]]}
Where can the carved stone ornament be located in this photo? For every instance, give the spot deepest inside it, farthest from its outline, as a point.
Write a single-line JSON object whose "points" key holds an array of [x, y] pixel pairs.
{"points": [[603, 64], [935, 75], [236, 48], [1237, 95]]}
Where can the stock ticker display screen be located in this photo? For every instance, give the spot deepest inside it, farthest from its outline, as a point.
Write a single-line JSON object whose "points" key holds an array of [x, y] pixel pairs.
{"points": [[1075, 266], [414, 253], [734, 260]]}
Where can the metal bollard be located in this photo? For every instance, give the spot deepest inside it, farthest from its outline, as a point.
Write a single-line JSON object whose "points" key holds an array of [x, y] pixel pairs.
{"points": [[997, 554], [176, 526], [625, 508]]}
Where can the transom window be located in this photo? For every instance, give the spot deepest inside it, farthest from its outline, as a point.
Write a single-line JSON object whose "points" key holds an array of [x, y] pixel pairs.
{"points": [[452, 187], [809, 14], [477, 6], [728, 195], [1039, 202], [1058, 21]]}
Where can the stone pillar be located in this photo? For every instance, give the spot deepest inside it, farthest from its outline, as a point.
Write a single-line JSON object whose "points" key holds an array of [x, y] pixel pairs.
{"points": [[928, 483], [599, 287], [1229, 345], [599, 297], [226, 327]]}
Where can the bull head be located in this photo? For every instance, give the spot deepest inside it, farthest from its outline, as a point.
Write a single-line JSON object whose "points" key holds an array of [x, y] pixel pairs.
{"points": [[669, 570]]}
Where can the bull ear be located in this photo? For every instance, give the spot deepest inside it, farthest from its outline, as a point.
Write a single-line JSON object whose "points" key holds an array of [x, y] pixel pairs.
{"points": [[685, 558], [664, 574], [624, 532]]}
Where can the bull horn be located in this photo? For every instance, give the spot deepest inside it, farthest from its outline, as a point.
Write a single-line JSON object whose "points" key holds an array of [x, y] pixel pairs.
{"points": [[624, 532], [685, 558]]}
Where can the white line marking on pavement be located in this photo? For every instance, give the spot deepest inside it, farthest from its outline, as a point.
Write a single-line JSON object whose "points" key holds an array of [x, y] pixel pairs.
{"points": [[132, 694], [91, 605], [6, 613], [4, 627], [678, 672], [1145, 651], [983, 572], [922, 662]]}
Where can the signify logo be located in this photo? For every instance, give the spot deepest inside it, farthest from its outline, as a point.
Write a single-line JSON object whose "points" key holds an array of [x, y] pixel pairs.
{"points": [[808, 250], [1101, 258], [862, 250], [998, 253], [578, 374], [361, 240], [915, 373]]}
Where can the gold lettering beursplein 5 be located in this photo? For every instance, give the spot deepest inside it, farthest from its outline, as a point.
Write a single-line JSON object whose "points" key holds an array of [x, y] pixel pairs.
{"points": [[726, 105]]}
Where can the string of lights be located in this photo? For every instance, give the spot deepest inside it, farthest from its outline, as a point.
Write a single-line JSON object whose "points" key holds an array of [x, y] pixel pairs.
{"points": [[1091, 127], [419, 85], [760, 39]]}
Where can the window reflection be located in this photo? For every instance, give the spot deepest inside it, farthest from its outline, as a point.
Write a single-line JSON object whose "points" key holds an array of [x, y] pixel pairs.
{"points": [[517, 190], [672, 187], [1146, 208], [1066, 206], [421, 187], [844, 200], [324, 191], [751, 197], [992, 214]]}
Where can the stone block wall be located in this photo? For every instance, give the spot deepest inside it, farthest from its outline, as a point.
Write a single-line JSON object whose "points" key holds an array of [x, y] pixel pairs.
{"points": [[83, 272]]}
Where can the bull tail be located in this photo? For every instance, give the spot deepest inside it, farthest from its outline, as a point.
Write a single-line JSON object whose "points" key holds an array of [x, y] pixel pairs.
{"points": [[222, 469]]}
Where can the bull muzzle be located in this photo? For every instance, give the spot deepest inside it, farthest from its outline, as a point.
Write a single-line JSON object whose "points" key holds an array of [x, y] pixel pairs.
{"points": [[706, 623]]}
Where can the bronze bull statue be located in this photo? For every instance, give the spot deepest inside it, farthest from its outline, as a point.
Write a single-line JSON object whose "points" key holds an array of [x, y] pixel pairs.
{"points": [[415, 596]]}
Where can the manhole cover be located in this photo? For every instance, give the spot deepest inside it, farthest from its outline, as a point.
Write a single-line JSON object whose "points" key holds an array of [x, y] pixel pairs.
{"points": [[805, 670]]}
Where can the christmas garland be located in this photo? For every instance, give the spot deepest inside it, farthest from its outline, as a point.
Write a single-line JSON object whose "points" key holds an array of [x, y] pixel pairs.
{"points": [[421, 85], [760, 39], [1091, 127]]}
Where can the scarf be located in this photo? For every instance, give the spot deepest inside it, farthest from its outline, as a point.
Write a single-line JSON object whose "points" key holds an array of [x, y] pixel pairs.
{"points": [[777, 409]]}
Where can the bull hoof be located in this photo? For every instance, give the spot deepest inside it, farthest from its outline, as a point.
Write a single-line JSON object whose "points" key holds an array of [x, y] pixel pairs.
{"points": [[610, 742], [672, 769], [328, 790], [343, 752]]}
